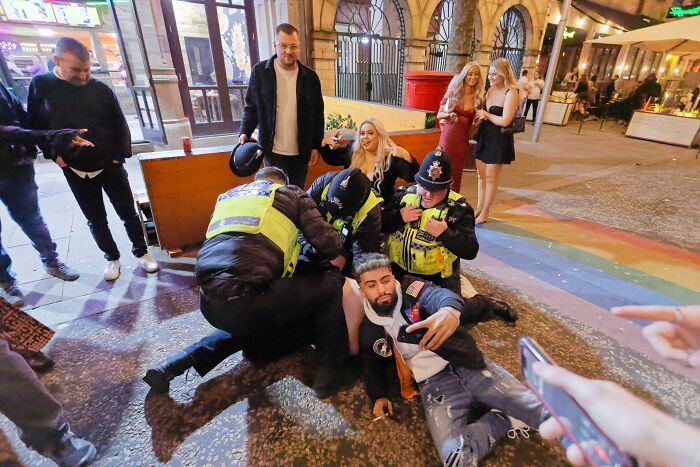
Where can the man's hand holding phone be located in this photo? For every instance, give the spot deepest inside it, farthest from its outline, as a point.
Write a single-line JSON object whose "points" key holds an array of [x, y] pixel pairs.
{"points": [[440, 325]]}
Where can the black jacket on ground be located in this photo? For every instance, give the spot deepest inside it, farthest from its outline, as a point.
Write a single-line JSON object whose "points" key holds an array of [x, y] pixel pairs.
{"points": [[459, 238], [17, 143], [231, 262], [367, 237], [398, 168], [459, 349], [261, 104], [54, 104]]}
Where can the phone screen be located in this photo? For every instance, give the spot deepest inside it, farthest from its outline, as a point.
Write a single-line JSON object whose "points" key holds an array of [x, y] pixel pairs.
{"points": [[578, 425]]}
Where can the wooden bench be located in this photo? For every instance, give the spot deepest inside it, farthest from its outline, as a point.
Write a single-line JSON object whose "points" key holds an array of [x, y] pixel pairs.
{"points": [[183, 188]]}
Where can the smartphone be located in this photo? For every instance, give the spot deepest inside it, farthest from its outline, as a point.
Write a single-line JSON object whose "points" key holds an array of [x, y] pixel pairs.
{"points": [[579, 428], [410, 337]]}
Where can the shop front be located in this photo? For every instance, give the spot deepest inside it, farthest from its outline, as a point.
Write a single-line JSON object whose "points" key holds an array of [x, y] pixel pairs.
{"points": [[29, 30]]}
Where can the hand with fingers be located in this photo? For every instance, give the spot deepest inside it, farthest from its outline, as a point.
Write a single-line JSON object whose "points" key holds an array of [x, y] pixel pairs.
{"points": [[635, 426], [78, 140], [411, 213], [440, 325], [382, 408], [675, 332]]}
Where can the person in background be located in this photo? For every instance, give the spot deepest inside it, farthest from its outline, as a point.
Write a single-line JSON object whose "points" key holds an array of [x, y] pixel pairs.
{"points": [[581, 91], [456, 115], [19, 192], [571, 78], [11, 65], [523, 88], [373, 152], [38, 66], [284, 103], [70, 97], [533, 97], [494, 149]]}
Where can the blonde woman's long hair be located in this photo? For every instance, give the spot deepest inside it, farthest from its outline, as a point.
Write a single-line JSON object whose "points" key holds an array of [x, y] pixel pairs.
{"points": [[504, 69], [455, 90], [385, 149]]}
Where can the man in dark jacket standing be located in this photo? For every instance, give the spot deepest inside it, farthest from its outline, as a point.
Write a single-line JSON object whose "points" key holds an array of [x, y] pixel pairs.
{"points": [[70, 98], [469, 401], [284, 102], [256, 290], [18, 189]]}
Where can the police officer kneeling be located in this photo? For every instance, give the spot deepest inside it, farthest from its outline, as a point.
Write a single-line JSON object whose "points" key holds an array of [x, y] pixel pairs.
{"points": [[431, 227], [254, 288], [351, 207]]}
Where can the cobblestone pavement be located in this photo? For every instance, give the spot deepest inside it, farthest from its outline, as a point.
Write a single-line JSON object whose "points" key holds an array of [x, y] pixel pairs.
{"points": [[582, 223]]}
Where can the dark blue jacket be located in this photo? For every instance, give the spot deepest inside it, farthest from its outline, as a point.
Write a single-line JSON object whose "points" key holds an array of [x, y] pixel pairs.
{"points": [[261, 103]]}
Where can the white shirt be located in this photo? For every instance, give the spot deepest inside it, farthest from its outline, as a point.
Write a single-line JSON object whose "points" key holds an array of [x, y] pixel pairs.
{"points": [[286, 141], [423, 363], [536, 86], [522, 86]]}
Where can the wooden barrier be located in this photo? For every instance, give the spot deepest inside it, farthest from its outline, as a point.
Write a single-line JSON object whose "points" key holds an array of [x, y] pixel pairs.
{"points": [[183, 188]]}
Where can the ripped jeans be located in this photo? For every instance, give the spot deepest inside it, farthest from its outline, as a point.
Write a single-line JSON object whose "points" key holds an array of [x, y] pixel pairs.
{"points": [[458, 403]]}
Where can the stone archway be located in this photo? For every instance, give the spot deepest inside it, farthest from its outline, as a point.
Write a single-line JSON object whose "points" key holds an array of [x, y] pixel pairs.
{"points": [[510, 38]]}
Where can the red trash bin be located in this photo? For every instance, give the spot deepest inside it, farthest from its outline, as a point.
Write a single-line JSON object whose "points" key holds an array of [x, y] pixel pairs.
{"points": [[424, 89]]}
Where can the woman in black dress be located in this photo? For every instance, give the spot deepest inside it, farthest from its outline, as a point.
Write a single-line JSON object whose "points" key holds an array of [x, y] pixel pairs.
{"points": [[494, 149]]}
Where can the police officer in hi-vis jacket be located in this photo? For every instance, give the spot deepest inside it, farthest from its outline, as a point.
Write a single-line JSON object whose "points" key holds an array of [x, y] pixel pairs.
{"points": [[431, 227], [253, 286]]}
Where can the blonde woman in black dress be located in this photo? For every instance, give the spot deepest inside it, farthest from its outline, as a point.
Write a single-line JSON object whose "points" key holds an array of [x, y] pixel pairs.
{"points": [[493, 149]]}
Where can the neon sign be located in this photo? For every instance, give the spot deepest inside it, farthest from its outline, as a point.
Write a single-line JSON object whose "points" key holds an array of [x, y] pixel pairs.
{"points": [[680, 11], [569, 33], [7, 44]]}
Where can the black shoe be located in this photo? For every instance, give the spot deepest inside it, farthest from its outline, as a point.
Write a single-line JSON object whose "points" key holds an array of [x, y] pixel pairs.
{"points": [[11, 294], [62, 271], [159, 377], [71, 451], [503, 311]]}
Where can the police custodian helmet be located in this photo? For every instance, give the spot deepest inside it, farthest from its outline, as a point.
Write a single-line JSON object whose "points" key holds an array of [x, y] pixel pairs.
{"points": [[246, 158], [435, 172], [347, 192]]}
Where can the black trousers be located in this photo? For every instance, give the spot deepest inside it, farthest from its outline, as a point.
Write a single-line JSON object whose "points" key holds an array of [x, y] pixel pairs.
{"points": [[452, 282], [114, 181], [296, 168], [534, 103], [305, 308]]}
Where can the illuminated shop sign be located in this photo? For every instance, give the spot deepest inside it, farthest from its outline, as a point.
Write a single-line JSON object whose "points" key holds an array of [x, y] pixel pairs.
{"points": [[681, 11], [569, 33], [39, 11], [6, 44]]}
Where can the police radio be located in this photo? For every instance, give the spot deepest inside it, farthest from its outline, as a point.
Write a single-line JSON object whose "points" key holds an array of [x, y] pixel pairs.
{"points": [[343, 227]]}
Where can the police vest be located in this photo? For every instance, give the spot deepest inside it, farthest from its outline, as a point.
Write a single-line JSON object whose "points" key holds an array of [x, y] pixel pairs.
{"points": [[248, 209], [415, 250], [338, 224]]}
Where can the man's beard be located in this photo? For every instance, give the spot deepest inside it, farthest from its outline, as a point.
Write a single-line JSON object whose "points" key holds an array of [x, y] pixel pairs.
{"points": [[385, 309]]}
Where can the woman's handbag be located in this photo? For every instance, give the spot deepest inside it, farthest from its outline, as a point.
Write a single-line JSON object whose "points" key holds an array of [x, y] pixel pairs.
{"points": [[517, 125]]}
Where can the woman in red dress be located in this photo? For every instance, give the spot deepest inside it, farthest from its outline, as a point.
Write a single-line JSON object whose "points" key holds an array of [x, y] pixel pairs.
{"points": [[456, 114]]}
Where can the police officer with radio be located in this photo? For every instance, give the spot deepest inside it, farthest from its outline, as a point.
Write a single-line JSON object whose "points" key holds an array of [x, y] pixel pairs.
{"points": [[253, 286], [349, 204], [431, 227]]}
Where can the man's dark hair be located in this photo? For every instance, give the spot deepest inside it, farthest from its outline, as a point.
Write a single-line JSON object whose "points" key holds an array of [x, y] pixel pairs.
{"points": [[73, 47], [524, 73], [287, 29], [369, 262], [272, 174]]}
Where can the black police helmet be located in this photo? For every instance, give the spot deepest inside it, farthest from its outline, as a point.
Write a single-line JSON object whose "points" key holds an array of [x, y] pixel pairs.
{"points": [[435, 172], [246, 158], [347, 192]]}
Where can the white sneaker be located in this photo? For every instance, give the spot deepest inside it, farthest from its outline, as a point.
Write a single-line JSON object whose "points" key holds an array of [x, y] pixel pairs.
{"points": [[112, 270], [147, 263]]}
